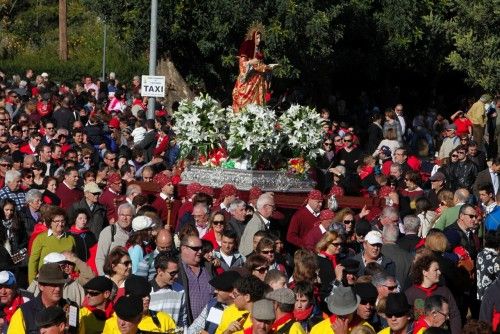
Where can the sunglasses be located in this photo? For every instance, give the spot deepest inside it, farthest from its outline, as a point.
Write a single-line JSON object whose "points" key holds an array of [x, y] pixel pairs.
{"points": [[92, 293], [365, 302], [126, 263], [336, 244], [96, 194], [391, 287], [327, 144], [173, 273], [471, 216], [348, 221], [454, 155], [262, 270], [194, 248], [348, 140], [218, 222], [397, 314]]}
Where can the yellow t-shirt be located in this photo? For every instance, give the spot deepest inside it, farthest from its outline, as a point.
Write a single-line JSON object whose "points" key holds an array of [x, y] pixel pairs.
{"points": [[230, 314], [146, 324], [325, 327], [88, 323]]}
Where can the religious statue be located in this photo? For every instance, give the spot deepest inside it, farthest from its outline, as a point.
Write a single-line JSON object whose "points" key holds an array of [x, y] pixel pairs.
{"points": [[253, 79]]}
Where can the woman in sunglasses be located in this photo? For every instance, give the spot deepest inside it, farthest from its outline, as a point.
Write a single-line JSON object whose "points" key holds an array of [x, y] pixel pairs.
{"points": [[324, 162], [118, 268], [216, 225]]}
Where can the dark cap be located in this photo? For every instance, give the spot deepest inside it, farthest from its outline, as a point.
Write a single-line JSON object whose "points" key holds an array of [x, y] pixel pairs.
{"points": [[362, 228], [17, 156], [137, 286], [128, 307], [351, 266], [51, 273], [225, 281], [15, 140], [50, 316], [396, 303], [366, 291], [99, 283]]}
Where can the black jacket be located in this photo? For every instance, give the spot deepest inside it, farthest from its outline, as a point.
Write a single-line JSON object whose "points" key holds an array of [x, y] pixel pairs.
{"points": [[97, 217]]}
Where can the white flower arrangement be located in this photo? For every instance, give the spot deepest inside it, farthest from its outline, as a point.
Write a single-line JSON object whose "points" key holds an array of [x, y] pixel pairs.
{"points": [[252, 133], [302, 129], [199, 124]]}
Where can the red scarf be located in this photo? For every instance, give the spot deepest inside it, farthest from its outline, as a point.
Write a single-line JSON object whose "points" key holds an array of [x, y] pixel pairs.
{"points": [[301, 315], [428, 291], [9, 310], [281, 321], [100, 314], [332, 258], [419, 324]]}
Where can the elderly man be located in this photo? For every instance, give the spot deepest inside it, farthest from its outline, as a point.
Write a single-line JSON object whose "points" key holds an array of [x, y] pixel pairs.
{"points": [[410, 239], [194, 276], [132, 191], [12, 189], [10, 298], [112, 197], [30, 213], [343, 306], [437, 313], [450, 142], [372, 253], [488, 176], [67, 190], [201, 218], [438, 180], [237, 209], [164, 243], [96, 212], [260, 221], [385, 285], [304, 219], [51, 280], [465, 229], [401, 258], [114, 235]]}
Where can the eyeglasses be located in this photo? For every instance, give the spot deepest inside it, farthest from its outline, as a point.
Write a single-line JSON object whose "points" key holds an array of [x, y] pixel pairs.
{"points": [[397, 314], [96, 194], [454, 155], [62, 221], [126, 263], [5, 165], [86, 158], [348, 221], [173, 273], [28, 176], [445, 315], [391, 287], [262, 270], [92, 293], [336, 244], [194, 248], [471, 216], [271, 205], [327, 144], [218, 222]]}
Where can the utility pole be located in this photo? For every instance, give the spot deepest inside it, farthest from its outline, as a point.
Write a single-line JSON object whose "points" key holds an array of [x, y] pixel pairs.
{"points": [[152, 54], [63, 32]]}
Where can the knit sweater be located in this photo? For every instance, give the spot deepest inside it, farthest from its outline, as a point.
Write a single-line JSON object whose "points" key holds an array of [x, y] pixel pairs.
{"points": [[45, 244]]}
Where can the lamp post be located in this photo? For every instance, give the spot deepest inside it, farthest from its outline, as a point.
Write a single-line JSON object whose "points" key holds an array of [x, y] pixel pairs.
{"points": [[152, 54], [104, 40]]}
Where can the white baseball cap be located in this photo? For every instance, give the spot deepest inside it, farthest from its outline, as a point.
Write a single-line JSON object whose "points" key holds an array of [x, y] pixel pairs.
{"points": [[142, 223], [373, 237], [54, 257]]}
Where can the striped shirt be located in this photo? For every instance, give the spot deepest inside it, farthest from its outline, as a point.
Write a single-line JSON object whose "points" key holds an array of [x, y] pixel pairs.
{"points": [[171, 300]]}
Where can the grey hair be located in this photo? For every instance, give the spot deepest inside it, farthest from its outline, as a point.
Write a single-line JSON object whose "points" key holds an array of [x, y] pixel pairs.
{"points": [[11, 175], [398, 166], [133, 189], [29, 156], [461, 195], [411, 223], [236, 204], [380, 278], [264, 199], [32, 195], [125, 206], [389, 211], [434, 303], [201, 205], [390, 233]]}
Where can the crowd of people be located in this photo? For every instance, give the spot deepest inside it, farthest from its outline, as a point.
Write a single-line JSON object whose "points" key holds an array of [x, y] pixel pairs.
{"points": [[97, 235]]}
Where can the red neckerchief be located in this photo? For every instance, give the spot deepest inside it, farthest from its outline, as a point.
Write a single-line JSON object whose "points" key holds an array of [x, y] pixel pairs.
{"points": [[281, 321], [9, 310], [100, 314], [301, 315], [419, 324], [428, 291], [332, 258]]}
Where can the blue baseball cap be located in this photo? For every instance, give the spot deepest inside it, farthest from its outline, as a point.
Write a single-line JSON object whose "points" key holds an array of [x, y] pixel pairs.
{"points": [[7, 278]]}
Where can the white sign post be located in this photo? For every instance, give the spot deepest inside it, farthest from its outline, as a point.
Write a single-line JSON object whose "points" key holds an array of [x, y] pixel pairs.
{"points": [[153, 86]]}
